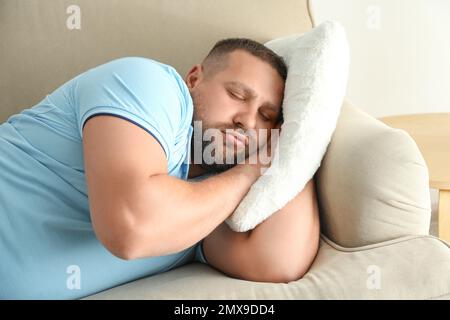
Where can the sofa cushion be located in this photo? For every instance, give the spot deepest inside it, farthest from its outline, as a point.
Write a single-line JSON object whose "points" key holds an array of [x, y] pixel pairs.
{"points": [[412, 267], [372, 184], [318, 63]]}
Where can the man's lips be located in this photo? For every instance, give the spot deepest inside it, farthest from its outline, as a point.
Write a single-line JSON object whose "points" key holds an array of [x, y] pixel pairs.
{"points": [[236, 138]]}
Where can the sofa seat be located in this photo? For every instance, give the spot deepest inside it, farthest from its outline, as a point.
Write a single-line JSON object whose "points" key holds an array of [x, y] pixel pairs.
{"points": [[410, 267]]}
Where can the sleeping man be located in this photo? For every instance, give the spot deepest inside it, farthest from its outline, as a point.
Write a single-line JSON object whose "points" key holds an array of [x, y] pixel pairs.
{"points": [[98, 186]]}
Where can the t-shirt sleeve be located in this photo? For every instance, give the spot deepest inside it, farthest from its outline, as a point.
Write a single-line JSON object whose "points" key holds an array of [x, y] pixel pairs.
{"points": [[199, 253], [142, 91]]}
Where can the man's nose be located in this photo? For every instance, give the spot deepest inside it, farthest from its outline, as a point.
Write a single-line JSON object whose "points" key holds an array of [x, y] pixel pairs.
{"points": [[246, 120]]}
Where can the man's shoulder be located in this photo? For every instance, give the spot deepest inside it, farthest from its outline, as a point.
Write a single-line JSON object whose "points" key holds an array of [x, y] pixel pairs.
{"points": [[139, 61], [135, 69], [140, 75], [144, 66], [152, 72]]}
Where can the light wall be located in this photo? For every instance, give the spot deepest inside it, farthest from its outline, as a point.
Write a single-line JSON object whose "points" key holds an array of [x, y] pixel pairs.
{"points": [[400, 53]]}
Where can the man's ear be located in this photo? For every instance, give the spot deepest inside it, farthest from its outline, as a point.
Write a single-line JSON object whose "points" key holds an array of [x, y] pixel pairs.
{"points": [[194, 76]]}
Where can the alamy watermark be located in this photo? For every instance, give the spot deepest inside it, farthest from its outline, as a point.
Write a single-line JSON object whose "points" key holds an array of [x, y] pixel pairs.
{"points": [[373, 282], [229, 147], [73, 281], [73, 21], [373, 20]]}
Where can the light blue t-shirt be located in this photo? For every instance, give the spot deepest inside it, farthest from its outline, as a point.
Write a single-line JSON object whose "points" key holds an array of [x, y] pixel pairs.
{"points": [[48, 248]]}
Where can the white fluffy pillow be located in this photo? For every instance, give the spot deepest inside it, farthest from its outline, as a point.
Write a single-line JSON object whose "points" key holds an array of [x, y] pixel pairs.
{"points": [[318, 63]]}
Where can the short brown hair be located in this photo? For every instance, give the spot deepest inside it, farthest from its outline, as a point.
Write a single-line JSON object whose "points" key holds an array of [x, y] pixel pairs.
{"points": [[216, 58]]}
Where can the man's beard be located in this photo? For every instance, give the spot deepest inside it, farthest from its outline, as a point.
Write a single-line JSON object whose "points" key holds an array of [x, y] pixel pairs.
{"points": [[229, 155], [210, 165], [223, 165]]}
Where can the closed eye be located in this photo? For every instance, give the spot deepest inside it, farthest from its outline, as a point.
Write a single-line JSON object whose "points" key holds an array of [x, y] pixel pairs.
{"points": [[235, 96], [265, 117]]}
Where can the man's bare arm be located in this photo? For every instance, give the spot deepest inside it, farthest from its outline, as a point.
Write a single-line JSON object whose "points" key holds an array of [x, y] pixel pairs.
{"points": [[137, 209], [280, 249]]}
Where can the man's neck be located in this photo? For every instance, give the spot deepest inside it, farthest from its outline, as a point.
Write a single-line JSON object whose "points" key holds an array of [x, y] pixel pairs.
{"points": [[195, 170]]}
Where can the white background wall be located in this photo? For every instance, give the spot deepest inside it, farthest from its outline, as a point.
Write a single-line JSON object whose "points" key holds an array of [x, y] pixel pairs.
{"points": [[400, 53]]}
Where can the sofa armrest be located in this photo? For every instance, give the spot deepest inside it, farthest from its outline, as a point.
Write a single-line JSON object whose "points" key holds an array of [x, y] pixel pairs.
{"points": [[372, 184]]}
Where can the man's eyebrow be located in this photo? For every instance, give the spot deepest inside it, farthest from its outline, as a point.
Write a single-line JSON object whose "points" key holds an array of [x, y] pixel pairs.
{"points": [[247, 90], [250, 93]]}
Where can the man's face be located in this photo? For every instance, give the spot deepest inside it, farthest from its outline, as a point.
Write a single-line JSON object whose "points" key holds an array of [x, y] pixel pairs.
{"points": [[239, 100]]}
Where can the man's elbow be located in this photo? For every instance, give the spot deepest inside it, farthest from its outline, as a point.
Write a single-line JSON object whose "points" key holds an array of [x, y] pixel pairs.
{"points": [[130, 243], [290, 274], [129, 238], [286, 270], [122, 241], [122, 247], [286, 275], [123, 251]]}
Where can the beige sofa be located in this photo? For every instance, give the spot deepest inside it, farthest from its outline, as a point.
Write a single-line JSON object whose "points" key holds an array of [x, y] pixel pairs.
{"points": [[372, 185]]}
